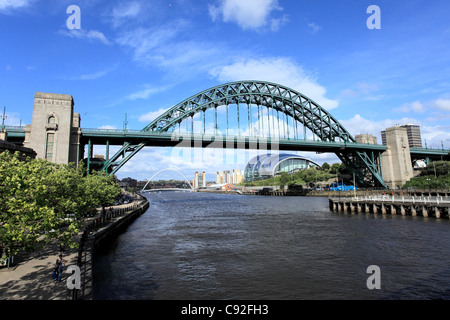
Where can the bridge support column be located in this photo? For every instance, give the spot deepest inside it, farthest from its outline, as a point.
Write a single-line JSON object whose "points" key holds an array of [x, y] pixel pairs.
{"points": [[107, 150], [437, 213], [413, 211], [393, 210], [402, 210], [89, 157], [375, 208], [424, 212]]}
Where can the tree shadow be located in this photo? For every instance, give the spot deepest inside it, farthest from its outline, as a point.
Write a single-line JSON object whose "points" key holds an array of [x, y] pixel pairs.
{"points": [[31, 276]]}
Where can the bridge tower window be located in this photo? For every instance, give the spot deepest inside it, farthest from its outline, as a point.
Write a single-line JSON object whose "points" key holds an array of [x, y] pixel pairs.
{"points": [[49, 146]]}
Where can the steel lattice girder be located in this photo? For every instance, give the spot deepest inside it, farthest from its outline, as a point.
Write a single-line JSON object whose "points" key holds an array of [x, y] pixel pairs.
{"points": [[280, 98], [271, 95], [366, 166]]}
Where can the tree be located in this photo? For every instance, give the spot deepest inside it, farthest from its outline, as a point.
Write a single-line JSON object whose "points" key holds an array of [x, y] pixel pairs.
{"points": [[326, 166], [435, 176], [41, 201], [100, 189], [284, 179]]}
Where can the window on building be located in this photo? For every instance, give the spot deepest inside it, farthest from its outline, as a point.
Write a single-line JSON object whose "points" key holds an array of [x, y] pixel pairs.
{"points": [[51, 120], [49, 146]]}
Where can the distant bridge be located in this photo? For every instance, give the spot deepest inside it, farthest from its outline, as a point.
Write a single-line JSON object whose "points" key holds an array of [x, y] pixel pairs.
{"points": [[168, 189]]}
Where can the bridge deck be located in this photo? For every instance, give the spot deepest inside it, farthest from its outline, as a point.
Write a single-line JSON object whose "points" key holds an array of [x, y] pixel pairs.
{"points": [[16, 134], [117, 137]]}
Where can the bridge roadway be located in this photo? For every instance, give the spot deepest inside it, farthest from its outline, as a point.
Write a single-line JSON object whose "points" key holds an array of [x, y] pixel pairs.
{"points": [[117, 137]]}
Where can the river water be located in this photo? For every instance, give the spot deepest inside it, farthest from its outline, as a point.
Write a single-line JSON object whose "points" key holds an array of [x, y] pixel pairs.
{"points": [[220, 246]]}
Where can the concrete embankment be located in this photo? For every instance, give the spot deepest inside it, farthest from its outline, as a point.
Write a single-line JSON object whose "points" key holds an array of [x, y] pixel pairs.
{"points": [[111, 223]]}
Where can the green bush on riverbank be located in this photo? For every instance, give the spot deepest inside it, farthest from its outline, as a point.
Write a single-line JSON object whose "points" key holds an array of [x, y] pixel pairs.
{"points": [[42, 201], [306, 177], [435, 176]]}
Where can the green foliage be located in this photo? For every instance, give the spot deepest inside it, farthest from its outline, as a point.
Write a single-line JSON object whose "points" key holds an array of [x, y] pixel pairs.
{"points": [[284, 179], [435, 176], [326, 166], [41, 201], [337, 168], [308, 177]]}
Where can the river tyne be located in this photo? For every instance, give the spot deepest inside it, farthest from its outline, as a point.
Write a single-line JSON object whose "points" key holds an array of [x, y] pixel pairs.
{"points": [[223, 246]]}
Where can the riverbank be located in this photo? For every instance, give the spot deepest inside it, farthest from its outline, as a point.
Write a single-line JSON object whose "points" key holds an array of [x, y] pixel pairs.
{"points": [[270, 191], [29, 277], [96, 233]]}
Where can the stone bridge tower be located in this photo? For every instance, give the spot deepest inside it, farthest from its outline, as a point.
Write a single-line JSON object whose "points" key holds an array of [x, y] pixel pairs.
{"points": [[54, 133], [396, 160]]}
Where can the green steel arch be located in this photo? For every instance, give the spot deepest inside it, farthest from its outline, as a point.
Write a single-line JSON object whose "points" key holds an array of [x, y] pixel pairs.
{"points": [[272, 95], [363, 164]]}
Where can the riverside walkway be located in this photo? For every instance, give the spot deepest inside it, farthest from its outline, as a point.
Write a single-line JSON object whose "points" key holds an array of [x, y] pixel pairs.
{"points": [[29, 276]]}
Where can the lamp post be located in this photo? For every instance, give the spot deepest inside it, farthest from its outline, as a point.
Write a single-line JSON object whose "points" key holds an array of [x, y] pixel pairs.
{"points": [[3, 117], [125, 123]]}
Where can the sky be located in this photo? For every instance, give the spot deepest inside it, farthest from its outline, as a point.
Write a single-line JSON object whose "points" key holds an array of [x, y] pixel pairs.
{"points": [[140, 57]]}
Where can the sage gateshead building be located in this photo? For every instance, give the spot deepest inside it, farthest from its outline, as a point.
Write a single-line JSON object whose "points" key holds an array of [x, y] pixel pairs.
{"points": [[269, 165]]}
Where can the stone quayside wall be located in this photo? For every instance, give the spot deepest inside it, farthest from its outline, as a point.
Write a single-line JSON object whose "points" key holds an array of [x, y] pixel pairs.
{"points": [[96, 233]]}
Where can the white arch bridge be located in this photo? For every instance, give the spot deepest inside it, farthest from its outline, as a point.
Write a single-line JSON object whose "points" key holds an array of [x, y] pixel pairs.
{"points": [[168, 189]]}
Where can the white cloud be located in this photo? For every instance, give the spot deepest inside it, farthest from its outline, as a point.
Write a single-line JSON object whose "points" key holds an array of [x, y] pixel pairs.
{"points": [[170, 48], [95, 75], [360, 125], [248, 14], [145, 93], [363, 91], [12, 119], [442, 104], [276, 24], [432, 134], [415, 106], [13, 4], [91, 35], [108, 127], [283, 71], [152, 115], [146, 41], [314, 27], [124, 12]]}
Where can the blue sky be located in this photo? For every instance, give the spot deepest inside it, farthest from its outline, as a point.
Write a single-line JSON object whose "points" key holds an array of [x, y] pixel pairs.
{"points": [[141, 57]]}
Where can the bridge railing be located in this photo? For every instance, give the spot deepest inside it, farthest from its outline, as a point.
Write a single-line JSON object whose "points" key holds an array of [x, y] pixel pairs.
{"points": [[224, 136], [109, 130], [14, 128], [400, 199]]}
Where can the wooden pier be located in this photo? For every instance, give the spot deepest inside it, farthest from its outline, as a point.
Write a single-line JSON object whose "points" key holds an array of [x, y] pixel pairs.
{"points": [[425, 206]]}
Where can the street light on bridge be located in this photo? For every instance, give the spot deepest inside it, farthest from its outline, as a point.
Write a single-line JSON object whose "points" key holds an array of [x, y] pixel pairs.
{"points": [[3, 117]]}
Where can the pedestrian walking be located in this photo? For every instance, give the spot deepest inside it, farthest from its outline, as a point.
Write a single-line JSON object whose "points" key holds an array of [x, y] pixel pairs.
{"points": [[59, 267]]}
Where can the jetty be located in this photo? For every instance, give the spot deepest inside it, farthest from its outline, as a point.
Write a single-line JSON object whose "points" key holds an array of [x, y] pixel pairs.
{"points": [[426, 206]]}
